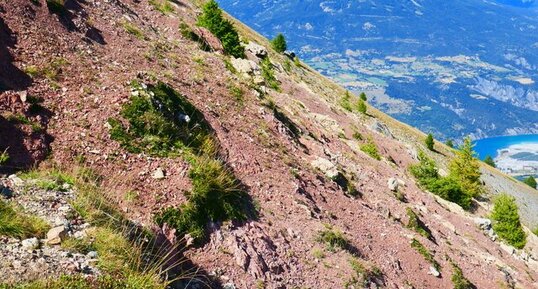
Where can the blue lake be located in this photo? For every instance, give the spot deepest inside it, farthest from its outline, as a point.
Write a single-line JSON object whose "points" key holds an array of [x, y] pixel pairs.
{"points": [[489, 146]]}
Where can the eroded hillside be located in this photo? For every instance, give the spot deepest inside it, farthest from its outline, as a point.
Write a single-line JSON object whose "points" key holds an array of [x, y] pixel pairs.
{"points": [[316, 195]]}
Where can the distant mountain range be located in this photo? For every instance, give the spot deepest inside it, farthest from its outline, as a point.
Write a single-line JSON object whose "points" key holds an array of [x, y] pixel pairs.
{"points": [[454, 68]]}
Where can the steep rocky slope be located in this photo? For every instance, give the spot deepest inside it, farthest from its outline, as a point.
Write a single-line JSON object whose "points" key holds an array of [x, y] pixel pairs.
{"points": [[63, 76]]}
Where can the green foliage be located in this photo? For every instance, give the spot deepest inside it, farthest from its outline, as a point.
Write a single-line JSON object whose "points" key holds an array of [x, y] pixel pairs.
{"points": [[416, 224], [212, 19], [279, 43], [466, 169], [447, 188], [215, 196], [162, 6], [133, 30], [4, 157], [364, 275], [489, 160], [370, 149], [450, 143], [363, 96], [415, 244], [530, 181], [268, 74], [297, 62], [357, 135], [506, 221], [158, 124], [345, 102], [15, 223], [236, 92], [429, 142], [332, 238], [458, 280], [361, 106]]}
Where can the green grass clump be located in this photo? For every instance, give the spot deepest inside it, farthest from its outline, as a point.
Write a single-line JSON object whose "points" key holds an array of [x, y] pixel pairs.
{"points": [[57, 7], [268, 74], [157, 122], [332, 238], [415, 244], [506, 222], [370, 149], [416, 224], [162, 6], [236, 92], [133, 30], [15, 223], [4, 157], [458, 280], [53, 180], [215, 196], [364, 276]]}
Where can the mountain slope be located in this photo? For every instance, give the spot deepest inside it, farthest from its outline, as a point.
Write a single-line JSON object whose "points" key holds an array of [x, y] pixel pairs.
{"points": [[431, 64], [279, 143]]}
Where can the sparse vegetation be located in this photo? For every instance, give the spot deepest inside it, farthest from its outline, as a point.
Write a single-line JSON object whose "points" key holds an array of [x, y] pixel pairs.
{"points": [[236, 92], [416, 224], [332, 238], [429, 142], [506, 221], [345, 102], [133, 30], [268, 74], [279, 43], [361, 106], [162, 6], [450, 143], [370, 149], [489, 161], [4, 157], [364, 275], [357, 135], [415, 244], [15, 223], [458, 280], [530, 181], [212, 19]]}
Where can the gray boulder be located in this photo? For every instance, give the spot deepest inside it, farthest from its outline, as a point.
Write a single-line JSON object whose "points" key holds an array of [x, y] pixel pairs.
{"points": [[256, 49]]}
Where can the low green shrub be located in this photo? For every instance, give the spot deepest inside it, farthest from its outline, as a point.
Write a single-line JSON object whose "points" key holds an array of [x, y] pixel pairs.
{"points": [[332, 238], [458, 280], [415, 244], [279, 43], [429, 142], [416, 224], [506, 222], [370, 149], [364, 275], [15, 223], [268, 74]]}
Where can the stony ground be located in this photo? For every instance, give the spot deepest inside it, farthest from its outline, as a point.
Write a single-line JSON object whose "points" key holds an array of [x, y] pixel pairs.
{"points": [[90, 57], [33, 258]]}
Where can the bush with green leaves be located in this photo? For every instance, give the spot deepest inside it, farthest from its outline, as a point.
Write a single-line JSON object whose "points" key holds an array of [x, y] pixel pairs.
{"points": [[506, 222], [332, 238], [429, 142], [370, 149], [447, 188], [361, 106], [363, 96], [450, 143], [268, 74], [212, 19], [279, 43], [530, 181]]}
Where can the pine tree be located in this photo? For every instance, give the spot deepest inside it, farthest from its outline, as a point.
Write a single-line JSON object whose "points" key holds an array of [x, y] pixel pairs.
{"points": [[279, 43], [361, 106], [363, 96], [212, 19], [531, 181], [488, 160], [429, 142], [506, 221], [450, 143], [466, 169]]}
